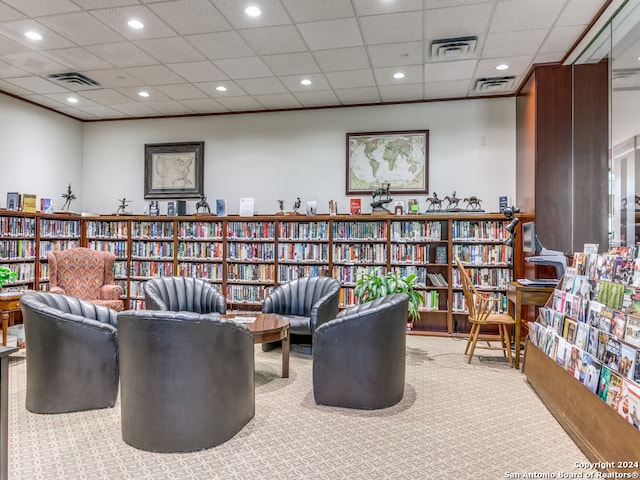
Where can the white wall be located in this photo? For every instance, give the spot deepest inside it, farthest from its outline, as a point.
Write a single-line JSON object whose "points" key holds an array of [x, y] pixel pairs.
{"points": [[41, 152], [283, 155]]}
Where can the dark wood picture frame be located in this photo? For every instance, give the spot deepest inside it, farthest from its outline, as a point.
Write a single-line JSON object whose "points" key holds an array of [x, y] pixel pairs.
{"points": [[410, 147], [173, 170]]}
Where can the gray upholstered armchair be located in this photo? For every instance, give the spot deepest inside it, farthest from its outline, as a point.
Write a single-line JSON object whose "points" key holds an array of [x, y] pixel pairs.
{"points": [[183, 294], [72, 358], [307, 302], [187, 380], [359, 358]]}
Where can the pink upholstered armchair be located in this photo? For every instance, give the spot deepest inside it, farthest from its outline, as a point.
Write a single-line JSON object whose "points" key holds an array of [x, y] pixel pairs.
{"points": [[86, 274]]}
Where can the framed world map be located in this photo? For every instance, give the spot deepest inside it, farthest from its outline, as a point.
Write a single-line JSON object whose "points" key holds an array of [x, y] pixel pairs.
{"points": [[400, 159]]}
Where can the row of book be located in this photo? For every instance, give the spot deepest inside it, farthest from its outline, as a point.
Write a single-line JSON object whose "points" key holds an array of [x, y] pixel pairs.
{"points": [[459, 302], [251, 230], [59, 228], [25, 272], [416, 231], [250, 251], [350, 273], [360, 253], [152, 230], [360, 230], [47, 246], [17, 249], [117, 247], [253, 294], [150, 269], [26, 202], [17, 227], [484, 278], [199, 251], [437, 279], [210, 271], [156, 250], [106, 229], [247, 272], [483, 254], [303, 230], [479, 230], [295, 252], [286, 273], [200, 230]]}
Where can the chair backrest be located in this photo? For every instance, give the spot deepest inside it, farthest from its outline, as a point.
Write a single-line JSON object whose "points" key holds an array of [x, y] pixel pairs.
{"points": [[299, 296], [477, 304], [185, 294], [81, 271], [69, 308]]}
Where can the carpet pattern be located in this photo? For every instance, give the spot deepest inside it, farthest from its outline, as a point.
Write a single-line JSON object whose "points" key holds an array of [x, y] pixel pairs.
{"points": [[456, 421]]}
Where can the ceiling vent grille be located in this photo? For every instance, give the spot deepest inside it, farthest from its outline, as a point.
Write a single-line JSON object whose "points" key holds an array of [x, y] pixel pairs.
{"points": [[74, 78], [453, 48], [493, 84]]}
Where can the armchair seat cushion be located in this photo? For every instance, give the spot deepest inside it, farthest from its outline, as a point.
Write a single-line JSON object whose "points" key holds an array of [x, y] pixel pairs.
{"points": [[298, 325]]}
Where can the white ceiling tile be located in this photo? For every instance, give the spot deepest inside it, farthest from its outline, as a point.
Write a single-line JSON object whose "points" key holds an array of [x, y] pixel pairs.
{"points": [[398, 93], [272, 13], [270, 40], [93, 4], [341, 59], [154, 74], [35, 8], [188, 17], [390, 28], [78, 114], [450, 89], [579, 12], [170, 50], [561, 39], [352, 78], [50, 39], [317, 98], [292, 82], [8, 13], [101, 112], [248, 67], [198, 71], [373, 7], [76, 59], [169, 107], [154, 94], [10, 70], [291, 63], [9, 47], [312, 10], [207, 105], [37, 85], [181, 91], [81, 28], [117, 19], [455, 22], [106, 96], [278, 101], [354, 96], [517, 66], [447, 71], [512, 44], [216, 46], [44, 100], [122, 54], [135, 109], [239, 103], [114, 78], [233, 89], [548, 57], [34, 63], [394, 54], [62, 99], [384, 75], [331, 34], [517, 15], [262, 86], [13, 89]]}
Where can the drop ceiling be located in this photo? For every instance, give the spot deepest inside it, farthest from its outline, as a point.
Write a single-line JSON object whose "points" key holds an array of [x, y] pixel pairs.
{"points": [[348, 49]]}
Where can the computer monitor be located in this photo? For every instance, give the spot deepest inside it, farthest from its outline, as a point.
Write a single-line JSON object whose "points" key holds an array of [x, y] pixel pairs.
{"points": [[529, 237]]}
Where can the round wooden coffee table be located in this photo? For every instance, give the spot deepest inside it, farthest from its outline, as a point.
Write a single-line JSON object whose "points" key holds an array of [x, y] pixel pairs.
{"points": [[267, 328]]}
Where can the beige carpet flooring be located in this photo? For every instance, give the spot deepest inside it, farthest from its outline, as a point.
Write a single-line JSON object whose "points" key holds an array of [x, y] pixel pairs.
{"points": [[456, 421]]}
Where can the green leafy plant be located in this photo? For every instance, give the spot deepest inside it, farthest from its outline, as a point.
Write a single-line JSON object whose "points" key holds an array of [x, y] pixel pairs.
{"points": [[6, 275], [374, 285]]}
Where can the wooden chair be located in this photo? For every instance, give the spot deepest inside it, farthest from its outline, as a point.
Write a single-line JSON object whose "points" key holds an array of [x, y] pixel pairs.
{"points": [[481, 306]]}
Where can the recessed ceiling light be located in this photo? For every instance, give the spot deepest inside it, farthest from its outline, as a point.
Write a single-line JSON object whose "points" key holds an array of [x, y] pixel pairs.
{"points": [[306, 81], [137, 24], [33, 35], [253, 11], [72, 100], [143, 94], [502, 66], [221, 88], [399, 75]]}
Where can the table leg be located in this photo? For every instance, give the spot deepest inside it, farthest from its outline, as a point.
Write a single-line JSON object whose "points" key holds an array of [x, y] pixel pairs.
{"points": [[5, 327], [516, 340], [285, 355]]}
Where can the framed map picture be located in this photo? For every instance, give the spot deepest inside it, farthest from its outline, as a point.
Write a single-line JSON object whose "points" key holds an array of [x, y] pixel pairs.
{"points": [[400, 159], [174, 170]]}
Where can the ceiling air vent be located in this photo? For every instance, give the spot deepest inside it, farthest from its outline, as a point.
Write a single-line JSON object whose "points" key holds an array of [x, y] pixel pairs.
{"points": [[73, 77], [493, 84], [453, 48]]}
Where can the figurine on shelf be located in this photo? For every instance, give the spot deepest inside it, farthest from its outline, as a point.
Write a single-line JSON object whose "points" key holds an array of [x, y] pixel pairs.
{"points": [[69, 197], [434, 203], [452, 202], [381, 196], [474, 204], [296, 205], [281, 206], [124, 203], [202, 204]]}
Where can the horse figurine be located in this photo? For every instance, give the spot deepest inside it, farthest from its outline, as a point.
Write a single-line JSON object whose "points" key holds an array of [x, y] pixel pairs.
{"points": [[124, 203], [433, 202], [378, 201], [202, 204], [452, 202], [473, 203]]}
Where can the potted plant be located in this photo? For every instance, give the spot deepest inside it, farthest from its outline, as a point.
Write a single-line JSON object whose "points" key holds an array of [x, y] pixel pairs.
{"points": [[6, 275], [373, 285]]}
